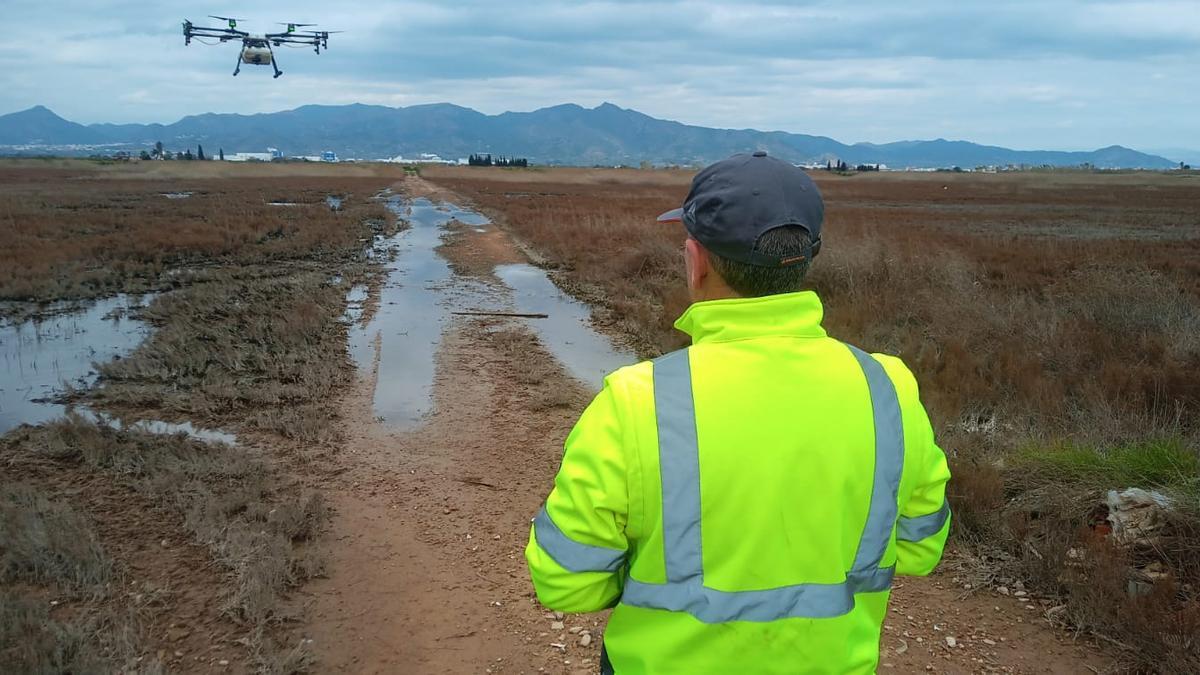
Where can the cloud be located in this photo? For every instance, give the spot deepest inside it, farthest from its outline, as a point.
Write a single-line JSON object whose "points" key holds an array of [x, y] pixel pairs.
{"points": [[1055, 73]]}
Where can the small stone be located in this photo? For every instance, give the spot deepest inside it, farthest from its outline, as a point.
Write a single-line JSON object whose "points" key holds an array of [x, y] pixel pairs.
{"points": [[556, 625], [164, 543], [585, 639], [1020, 594], [558, 615], [990, 643], [951, 642], [223, 662], [1003, 590], [178, 654], [574, 629]]}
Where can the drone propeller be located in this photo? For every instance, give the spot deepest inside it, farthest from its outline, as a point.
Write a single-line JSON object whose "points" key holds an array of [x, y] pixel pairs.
{"points": [[291, 27], [232, 21]]}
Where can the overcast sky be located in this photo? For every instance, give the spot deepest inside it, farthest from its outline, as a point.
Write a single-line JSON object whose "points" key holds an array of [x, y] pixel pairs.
{"points": [[1053, 74]]}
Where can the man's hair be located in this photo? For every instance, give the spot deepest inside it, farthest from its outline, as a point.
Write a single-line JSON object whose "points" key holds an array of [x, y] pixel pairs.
{"points": [[753, 281]]}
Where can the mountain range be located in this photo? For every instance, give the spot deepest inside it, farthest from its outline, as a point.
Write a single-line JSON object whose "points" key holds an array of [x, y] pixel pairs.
{"points": [[564, 134]]}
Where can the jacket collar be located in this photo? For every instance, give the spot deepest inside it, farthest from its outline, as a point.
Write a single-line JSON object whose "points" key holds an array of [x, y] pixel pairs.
{"points": [[790, 314]]}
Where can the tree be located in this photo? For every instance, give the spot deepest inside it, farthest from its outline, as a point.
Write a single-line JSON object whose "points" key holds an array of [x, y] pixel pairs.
{"points": [[188, 154], [158, 150], [829, 165], [200, 152], [145, 155], [221, 154]]}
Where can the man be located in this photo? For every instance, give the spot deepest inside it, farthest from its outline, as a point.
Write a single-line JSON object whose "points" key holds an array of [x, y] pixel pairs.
{"points": [[744, 503]]}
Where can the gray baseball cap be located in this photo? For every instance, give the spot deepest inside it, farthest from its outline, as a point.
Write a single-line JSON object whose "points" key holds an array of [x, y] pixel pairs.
{"points": [[734, 202]]}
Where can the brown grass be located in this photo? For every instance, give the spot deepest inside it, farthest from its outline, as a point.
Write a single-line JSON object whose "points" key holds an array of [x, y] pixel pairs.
{"points": [[255, 525], [1035, 309], [81, 234], [249, 338]]}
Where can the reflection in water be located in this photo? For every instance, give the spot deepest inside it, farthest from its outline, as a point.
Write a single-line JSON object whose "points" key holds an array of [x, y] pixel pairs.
{"points": [[567, 333], [421, 291], [413, 304], [40, 357]]}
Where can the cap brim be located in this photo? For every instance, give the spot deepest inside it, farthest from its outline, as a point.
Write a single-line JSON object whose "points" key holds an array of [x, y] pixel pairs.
{"points": [[672, 216]]}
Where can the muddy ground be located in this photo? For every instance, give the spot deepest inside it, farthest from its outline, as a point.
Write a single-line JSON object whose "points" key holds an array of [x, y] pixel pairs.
{"points": [[426, 571], [420, 568]]}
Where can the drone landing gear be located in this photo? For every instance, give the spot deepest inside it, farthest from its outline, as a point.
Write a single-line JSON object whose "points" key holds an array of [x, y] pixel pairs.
{"points": [[274, 65], [238, 68]]}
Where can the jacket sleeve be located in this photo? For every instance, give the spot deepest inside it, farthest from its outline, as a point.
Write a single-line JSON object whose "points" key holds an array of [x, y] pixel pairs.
{"points": [[924, 521], [577, 545]]}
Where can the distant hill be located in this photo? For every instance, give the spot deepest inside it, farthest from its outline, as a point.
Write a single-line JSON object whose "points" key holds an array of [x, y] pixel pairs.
{"points": [[563, 134]]}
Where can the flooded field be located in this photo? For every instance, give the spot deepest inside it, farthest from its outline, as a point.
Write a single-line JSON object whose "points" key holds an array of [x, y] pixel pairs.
{"points": [[40, 358], [398, 344]]}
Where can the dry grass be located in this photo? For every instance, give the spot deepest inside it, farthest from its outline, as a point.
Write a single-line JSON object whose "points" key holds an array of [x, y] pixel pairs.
{"points": [[249, 338], [1040, 311], [50, 550], [240, 350], [255, 525], [76, 234]]}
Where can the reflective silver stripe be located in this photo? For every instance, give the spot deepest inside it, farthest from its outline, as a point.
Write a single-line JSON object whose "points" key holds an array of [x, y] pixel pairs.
{"points": [[570, 554], [679, 466], [921, 527], [889, 462], [679, 462]]}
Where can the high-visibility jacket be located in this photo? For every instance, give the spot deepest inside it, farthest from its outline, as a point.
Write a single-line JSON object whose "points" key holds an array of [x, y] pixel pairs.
{"points": [[744, 503]]}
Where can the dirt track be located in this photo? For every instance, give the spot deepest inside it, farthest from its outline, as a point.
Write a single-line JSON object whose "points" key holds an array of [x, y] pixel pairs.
{"points": [[426, 567]]}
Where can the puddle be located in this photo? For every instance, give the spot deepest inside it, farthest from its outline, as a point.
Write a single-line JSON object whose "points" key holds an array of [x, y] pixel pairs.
{"points": [[283, 203], [421, 292], [567, 332], [356, 297], [414, 304], [176, 195], [40, 356], [334, 203]]}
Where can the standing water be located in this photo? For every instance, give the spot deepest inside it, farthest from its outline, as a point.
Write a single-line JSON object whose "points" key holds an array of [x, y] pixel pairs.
{"points": [[567, 331], [41, 357], [422, 291], [402, 337]]}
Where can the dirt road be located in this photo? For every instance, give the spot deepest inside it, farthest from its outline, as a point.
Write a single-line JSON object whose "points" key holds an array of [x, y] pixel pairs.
{"points": [[426, 567]]}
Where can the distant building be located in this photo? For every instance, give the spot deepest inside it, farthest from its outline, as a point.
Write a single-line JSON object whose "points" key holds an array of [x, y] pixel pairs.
{"points": [[329, 156], [250, 156], [425, 158]]}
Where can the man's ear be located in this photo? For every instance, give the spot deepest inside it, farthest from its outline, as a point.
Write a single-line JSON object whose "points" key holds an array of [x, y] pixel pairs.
{"points": [[697, 263]]}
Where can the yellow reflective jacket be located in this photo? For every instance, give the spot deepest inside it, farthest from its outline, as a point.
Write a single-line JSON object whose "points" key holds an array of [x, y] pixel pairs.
{"points": [[744, 503]]}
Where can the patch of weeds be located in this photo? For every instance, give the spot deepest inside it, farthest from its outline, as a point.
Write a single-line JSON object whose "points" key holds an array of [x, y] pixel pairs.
{"points": [[229, 500], [1167, 464], [48, 542]]}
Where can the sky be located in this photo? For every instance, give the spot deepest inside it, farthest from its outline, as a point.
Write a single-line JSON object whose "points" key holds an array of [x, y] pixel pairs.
{"points": [[1049, 74]]}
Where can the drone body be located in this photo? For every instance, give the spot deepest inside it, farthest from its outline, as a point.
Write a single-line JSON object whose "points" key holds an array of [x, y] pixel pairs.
{"points": [[256, 49]]}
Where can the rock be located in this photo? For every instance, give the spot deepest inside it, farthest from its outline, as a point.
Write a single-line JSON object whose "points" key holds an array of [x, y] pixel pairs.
{"points": [[1003, 590], [558, 615], [1138, 517], [990, 643], [556, 625], [1020, 594], [177, 634], [951, 642], [574, 629], [585, 639]]}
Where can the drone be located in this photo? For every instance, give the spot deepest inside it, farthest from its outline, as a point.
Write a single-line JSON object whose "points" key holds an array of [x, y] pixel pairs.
{"points": [[256, 49]]}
